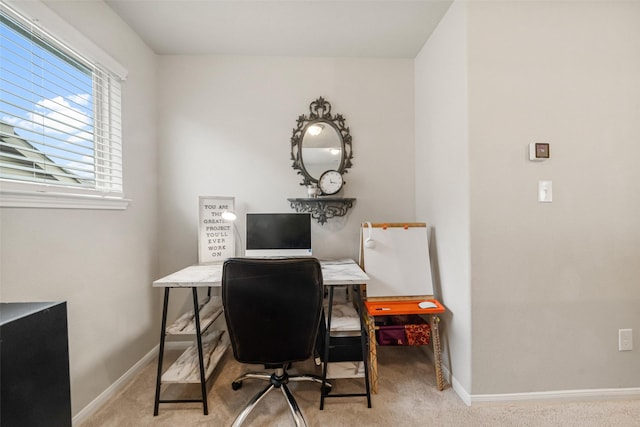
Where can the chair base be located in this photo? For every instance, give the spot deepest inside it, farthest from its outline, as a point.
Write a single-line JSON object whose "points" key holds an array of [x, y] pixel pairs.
{"points": [[279, 379]]}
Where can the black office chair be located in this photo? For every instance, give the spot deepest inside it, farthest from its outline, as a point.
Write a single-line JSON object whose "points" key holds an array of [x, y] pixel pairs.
{"points": [[272, 307]]}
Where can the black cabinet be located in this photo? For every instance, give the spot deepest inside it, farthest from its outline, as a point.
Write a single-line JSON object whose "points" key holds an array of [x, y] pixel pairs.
{"points": [[34, 365]]}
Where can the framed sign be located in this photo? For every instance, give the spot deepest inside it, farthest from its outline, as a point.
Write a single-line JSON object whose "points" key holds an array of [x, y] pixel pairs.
{"points": [[216, 239]]}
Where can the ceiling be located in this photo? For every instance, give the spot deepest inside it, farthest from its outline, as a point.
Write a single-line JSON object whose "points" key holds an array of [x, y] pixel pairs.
{"points": [[321, 28]]}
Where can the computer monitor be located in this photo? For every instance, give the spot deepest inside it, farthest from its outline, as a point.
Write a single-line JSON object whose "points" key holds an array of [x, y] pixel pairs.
{"points": [[278, 234]]}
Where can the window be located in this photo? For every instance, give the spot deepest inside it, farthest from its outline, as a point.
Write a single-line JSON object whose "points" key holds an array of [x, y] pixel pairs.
{"points": [[60, 124]]}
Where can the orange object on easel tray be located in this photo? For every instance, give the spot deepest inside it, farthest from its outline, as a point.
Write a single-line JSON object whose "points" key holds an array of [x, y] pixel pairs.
{"points": [[398, 307]]}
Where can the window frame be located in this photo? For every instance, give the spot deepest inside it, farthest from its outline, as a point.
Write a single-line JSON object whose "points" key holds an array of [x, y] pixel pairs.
{"points": [[15, 193]]}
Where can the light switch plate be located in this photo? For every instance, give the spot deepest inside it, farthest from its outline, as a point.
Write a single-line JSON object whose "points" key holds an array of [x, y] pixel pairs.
{"points": [[545, 191]]}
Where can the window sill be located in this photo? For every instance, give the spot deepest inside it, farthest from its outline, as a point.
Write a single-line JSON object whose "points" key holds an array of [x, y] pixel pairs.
{"points": [[52, 200]]}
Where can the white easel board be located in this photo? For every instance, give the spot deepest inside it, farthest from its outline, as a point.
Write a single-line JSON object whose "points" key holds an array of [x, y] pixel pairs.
{"points": [[398, 263]]}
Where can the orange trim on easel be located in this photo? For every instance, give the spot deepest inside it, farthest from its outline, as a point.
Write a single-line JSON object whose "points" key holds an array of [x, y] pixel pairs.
{"points": [[385, 225], [397, 307], [404, 225]]}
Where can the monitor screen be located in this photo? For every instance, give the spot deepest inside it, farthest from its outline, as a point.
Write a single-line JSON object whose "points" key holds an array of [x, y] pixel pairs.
{"points": [[278, 234]]}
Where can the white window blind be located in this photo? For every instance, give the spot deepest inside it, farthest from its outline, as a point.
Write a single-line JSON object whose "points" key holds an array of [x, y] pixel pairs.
{"points": [[60, 114]]}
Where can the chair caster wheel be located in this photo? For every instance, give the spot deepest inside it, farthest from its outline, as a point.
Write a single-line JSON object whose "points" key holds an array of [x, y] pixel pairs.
{"points": [[236, 385]]}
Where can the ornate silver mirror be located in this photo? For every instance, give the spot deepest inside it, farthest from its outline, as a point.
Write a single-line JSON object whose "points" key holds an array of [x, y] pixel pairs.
{"points": [[320, 142]]}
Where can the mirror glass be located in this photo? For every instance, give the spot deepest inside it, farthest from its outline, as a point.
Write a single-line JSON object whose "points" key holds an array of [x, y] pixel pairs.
{"points": [[321, 149], [321, 141]]}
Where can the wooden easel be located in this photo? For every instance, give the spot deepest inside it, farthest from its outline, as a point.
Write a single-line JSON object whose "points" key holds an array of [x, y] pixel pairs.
{"points": [[399, 267]]}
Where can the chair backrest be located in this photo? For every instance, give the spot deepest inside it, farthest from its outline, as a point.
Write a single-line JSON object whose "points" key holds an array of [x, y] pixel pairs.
{"points": [[272, 307]]}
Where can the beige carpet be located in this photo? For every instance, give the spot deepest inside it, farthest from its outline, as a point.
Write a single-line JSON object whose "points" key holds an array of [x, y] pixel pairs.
{"points": [[407, 397]]}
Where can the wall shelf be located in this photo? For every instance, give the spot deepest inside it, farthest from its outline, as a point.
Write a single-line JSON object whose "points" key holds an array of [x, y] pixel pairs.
{"points": [[322, 208]]}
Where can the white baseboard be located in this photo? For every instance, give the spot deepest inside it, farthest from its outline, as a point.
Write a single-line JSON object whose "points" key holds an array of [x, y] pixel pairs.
{"points": [[560, 395], [455, 385], [121, 382], [556, 396], [462, 392]]}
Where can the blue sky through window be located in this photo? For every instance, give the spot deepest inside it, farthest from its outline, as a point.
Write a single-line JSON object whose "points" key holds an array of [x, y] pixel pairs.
{"points": [[47, 97]]}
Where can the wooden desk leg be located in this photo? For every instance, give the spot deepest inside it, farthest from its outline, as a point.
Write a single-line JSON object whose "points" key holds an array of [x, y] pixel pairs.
{"points": [[373, 354], [437, 350]]}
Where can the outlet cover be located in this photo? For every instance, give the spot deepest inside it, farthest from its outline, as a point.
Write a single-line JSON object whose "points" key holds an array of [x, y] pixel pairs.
{"points": [[625, 339]]}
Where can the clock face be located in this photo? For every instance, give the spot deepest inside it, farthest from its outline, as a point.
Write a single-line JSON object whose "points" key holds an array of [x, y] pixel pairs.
{"points": [[330, 182]]}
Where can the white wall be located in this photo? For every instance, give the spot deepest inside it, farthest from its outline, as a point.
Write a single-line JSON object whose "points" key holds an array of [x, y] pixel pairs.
{"points": [[225, 125], [442, 181], [100, 262], [550, 284], [553, 283]]}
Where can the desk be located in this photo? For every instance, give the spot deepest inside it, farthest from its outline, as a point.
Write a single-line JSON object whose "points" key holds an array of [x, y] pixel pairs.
{"points": [[334, 273]]}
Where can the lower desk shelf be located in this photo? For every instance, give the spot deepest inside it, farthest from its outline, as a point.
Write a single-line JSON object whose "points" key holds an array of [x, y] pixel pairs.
{"points": [[210, 309], [344, 347], [345, 357], [340, 370], [186, 368], [195, 365]]}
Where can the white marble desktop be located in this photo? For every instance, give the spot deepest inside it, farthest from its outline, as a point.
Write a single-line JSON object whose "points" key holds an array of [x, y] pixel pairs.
{"points": [[342, 272], [334, 272]]}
